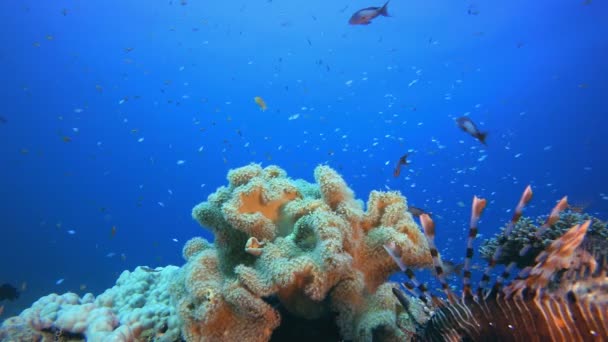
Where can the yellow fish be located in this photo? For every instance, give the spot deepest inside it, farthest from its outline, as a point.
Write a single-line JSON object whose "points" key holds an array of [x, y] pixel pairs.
{"points": [[260, 102]]}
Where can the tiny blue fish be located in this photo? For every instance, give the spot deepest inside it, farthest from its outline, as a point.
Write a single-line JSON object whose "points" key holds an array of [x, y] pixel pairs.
{"points": [[366, 15]]}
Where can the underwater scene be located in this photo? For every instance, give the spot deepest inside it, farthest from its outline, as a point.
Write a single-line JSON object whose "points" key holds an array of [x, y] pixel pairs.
{"points": [[274, 170]]}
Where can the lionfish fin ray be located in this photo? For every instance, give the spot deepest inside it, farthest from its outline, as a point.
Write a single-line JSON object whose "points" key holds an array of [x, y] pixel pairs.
{"points": [[555, 257], [429, 233], [414, 287], [525, 198]]}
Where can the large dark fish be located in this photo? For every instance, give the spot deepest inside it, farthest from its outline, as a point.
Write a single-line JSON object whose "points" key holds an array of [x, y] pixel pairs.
{"points": [[366, 15], [8, 292], [469, 126], [564, 297], [401, 162]]}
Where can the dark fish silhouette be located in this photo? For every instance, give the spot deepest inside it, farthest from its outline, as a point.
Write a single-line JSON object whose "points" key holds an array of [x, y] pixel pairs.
{"points": [[402, 161], [365, 16], [416, 212], [469, 126], [8, 292]]}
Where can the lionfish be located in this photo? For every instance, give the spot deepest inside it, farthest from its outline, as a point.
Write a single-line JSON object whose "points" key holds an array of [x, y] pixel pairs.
{"points": [[563, 297]]}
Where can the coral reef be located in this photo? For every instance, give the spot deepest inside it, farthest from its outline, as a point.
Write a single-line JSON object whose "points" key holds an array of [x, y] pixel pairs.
{"points": [[290, 260], [312, 247], [525, 230], [137, 308]]}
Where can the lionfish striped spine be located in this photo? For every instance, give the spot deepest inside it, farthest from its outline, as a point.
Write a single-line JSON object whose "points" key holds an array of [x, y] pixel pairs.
{"points": [[523, 201], [429, 232], [415, 287], [528, 308], [476, 210], [551, 220]]}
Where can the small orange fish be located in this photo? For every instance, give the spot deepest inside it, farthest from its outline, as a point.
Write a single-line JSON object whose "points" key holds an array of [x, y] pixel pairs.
{"points": [[366, 15], [260, 102], [579, 207], [66, 139]]}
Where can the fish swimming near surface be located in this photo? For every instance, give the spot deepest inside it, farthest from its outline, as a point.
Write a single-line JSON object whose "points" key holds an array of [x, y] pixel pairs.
{"points": [[563, 297], [469, 126], [8, 292], [366, 15]]}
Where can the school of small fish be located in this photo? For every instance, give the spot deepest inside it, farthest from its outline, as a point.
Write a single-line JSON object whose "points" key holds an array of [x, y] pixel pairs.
{"points": [[289, 116]]}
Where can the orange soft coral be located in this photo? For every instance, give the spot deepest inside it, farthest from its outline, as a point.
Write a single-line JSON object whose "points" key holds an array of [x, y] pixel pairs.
{"points": [[312, 246]]}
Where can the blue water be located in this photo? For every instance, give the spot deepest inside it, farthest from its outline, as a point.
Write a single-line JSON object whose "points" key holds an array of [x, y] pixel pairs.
{"points": [[102, 99]]}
